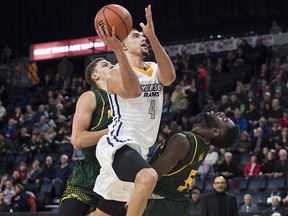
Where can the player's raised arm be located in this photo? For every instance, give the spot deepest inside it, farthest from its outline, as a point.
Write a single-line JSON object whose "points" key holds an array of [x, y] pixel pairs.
{"points": [[123, 80], [167, 73]]}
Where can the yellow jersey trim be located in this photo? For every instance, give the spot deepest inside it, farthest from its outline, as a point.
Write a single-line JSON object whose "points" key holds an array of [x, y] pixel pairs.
{"points": [[148, 72], [102, 111]]}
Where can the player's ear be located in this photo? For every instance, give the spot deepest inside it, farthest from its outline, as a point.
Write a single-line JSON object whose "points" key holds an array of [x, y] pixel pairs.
{"points": [[215, 132], [95, 76]]}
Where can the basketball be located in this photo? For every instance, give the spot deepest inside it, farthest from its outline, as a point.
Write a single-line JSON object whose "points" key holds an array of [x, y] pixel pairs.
{"points": [[117, 16]]}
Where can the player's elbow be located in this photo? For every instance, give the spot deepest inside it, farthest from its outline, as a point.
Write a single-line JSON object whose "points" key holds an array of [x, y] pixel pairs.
{"points": [[76, 143], [169, 80]]}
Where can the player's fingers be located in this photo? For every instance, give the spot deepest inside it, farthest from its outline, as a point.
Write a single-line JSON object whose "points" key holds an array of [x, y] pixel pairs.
{"points": [[142, 25], [113, 31]]}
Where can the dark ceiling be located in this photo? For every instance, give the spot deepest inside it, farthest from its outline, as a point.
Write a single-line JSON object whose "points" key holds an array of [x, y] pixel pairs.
{"points": [[24, 22]]}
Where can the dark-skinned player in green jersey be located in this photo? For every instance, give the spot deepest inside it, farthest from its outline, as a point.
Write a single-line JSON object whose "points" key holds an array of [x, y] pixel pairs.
{"points": [[177, 160]]}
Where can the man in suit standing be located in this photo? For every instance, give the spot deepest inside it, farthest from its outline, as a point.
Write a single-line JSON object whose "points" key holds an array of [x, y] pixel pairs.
{"points": [[219, 202]]}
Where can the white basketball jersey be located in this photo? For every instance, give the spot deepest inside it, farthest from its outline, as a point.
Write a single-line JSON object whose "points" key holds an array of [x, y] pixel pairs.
{"points": [[137, 119]]}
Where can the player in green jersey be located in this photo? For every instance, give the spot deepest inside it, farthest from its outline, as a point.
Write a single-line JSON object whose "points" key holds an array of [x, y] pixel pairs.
{"points": [[177, 160], [90, 122]]}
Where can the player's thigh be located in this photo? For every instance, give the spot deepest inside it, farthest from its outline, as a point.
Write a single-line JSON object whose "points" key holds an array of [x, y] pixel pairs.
{"points": [[73, 207], [127, 163]]}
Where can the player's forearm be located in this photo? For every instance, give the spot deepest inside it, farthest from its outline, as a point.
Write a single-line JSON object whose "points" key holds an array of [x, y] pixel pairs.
{"points": [[130, 81], [165, 65], [87, 138]]}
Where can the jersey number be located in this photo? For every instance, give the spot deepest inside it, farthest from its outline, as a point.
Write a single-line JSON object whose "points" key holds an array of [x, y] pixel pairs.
{"points": [[152, 109], [187, 181]]}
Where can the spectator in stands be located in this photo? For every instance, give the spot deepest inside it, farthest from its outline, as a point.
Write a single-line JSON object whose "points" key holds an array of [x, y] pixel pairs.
{"points": [[19, 202], [239, 120], [29, 117], [49, 171], [228, 169], [252, 115], [260, 52], [202, 83], [244, 145], [263, 123], [62, 174], [23, 170], [281, 166], [233, 104], [253, 167], [196, 200], [223, 105], [176, 92], [18, 117], [212, 156], [284, 137], [185, 123], [41, 112], [248, 206], [211, 105], [50, 134], [277, 110], [268, 165], [275, 29], [205, 171], [8, 192], [24, 139], [274, 132], [179, 106], [4, 178], [219, 202], [4, 207], [283, 121], [41, 124], [33, 177], [258, 141], [275, 206], [10, 130]]}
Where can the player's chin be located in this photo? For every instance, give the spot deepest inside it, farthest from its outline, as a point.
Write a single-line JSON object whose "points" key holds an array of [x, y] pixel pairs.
{"points": [[145, 52]]}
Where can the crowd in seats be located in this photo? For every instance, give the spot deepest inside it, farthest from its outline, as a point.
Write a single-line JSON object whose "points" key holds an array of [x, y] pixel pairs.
{"points": [[249, 85]]}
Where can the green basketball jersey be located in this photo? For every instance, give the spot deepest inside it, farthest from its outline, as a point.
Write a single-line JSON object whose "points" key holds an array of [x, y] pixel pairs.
{"points": [[101, 118], [174, 185], [82, 179]]}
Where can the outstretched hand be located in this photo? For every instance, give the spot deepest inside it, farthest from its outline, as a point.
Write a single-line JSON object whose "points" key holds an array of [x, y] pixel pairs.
{"points": [[148, 29], [110, 40]]}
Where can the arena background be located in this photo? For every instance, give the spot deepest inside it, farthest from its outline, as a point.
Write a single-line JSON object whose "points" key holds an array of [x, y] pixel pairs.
{"points": [[32, 21]]}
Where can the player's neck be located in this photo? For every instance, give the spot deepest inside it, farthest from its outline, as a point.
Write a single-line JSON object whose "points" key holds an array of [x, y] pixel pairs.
{"points": [[136, 61]]}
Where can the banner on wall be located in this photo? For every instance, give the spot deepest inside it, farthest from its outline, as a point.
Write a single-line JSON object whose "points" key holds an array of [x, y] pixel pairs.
{"points": [[74, 47], [217, 45]]}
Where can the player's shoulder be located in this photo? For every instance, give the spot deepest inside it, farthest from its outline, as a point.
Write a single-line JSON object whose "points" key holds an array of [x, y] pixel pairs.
{"points": [[180, 139]]}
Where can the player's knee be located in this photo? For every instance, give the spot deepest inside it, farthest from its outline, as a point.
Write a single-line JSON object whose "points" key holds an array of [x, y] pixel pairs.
{"points": [[146, 178]]}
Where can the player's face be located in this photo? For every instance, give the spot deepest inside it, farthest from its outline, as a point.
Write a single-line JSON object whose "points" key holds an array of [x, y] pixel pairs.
{"points": [[102, 69], [220, 119], [136, 43]]}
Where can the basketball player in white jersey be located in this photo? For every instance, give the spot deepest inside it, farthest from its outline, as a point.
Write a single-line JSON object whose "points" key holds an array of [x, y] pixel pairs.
{"points": [[136, 97]]}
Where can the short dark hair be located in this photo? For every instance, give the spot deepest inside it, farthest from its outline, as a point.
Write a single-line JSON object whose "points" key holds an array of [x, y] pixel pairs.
{"points": [[231, 133], [90, 69], [230, 137]]}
